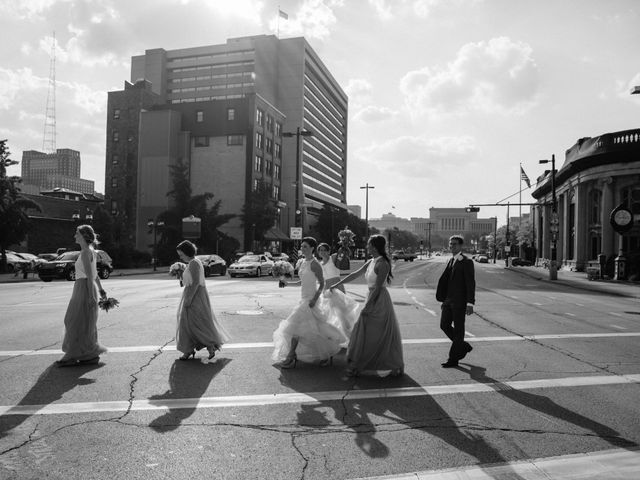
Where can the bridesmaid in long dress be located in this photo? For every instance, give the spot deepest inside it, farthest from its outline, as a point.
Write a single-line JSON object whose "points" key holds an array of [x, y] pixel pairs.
{"points": [[197, 325], [80, 344], [306, 332], [375, 345]]}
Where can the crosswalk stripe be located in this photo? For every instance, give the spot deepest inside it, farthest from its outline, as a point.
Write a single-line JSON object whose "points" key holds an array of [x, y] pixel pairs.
{"points": [[313, 397], [411, 341], [614, 463]]}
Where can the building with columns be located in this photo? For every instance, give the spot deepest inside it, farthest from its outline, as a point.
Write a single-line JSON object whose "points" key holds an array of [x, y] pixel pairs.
{"points": [[598, 174]]}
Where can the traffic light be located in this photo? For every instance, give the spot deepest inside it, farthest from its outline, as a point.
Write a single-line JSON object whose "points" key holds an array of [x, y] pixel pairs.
{"points": [[472, 209]]}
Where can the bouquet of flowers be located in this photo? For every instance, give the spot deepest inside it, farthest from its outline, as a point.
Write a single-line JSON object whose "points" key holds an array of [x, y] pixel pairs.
{"points": [[177, 269], [107, 304], [282, 269], [346, 237]]}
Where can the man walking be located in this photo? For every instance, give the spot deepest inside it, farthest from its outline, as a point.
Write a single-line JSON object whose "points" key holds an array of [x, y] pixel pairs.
{"points": [[457, 292]]}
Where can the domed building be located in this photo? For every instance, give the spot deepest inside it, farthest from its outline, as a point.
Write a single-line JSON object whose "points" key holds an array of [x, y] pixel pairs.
{"points": [[598, 175]]}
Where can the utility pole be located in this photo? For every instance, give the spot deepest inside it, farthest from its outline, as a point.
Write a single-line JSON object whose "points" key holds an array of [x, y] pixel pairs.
{"points": [[366, 188]]}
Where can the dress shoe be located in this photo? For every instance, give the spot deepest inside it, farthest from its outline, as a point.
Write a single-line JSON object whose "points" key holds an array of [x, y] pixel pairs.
{"points": [[466, 349], [450, 364]]}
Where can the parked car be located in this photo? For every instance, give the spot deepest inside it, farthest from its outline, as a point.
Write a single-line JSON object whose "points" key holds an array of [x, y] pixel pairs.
{"points": [[15, 262], [520, 262], [482, 259], [48, 256], [64, 266], [280, 256], [255, 265], [213, 265], [402, 255]]}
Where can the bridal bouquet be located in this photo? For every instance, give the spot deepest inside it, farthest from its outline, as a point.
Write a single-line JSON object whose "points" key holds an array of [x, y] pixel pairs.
{"points": [[177, 269], [282, 269], [107, 304]]}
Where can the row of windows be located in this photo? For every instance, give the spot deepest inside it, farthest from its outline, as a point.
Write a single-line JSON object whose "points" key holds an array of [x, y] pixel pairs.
{"points": [[211, 77], [453, 223], [267, 167], [115, 136], [212, 66], [270, 122], [203, 141], [206, 99], [275, 189], [207, 88], [209, 56]]}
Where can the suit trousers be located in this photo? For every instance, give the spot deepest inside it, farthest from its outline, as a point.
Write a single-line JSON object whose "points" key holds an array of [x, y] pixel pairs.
{"points": [[452, 324]]}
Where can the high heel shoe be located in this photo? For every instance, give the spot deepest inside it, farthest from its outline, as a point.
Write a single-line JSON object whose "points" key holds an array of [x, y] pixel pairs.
{"points": [[187, 355], [212, 352], [289, 362], [326, 362]]}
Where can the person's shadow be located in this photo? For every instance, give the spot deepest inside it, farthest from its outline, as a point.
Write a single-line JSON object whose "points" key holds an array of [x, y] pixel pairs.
{"points": [[547, 407], [50, 386], [187, 380], [372, 418]]}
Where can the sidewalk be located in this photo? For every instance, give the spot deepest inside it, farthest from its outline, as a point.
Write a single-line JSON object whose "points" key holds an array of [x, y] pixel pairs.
{"points": [[579, 280]]}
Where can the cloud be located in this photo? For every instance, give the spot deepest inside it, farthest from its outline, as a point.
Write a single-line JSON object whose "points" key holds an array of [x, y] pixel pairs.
{"points": [[359, 91], [387, 10], [498, 76], [420, 156], [18, 83], [373, 114], [314, 19]]}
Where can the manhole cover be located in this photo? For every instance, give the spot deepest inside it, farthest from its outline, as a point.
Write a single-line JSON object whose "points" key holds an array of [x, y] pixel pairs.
{"points": [[249, 312]]}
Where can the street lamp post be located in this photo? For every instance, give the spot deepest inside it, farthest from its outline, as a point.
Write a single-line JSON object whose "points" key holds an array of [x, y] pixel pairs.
{"points": [[495, 238], [366, 188], [154, 225], [554, 223], [298, 133]]}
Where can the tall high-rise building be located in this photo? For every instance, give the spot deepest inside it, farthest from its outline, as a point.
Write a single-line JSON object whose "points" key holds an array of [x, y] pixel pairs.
{"points": [[54, 170], [236, 112]]}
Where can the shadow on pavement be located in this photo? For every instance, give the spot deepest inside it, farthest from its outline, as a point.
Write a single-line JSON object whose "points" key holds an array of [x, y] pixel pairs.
{"points": [[367, 418], [187, 379], [50, 386]]}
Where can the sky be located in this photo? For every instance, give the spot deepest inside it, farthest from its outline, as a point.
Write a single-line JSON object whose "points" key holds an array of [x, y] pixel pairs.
{"points": [[447, 98]]}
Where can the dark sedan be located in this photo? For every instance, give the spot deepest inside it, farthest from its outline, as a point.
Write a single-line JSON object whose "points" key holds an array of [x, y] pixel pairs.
{"points": [[213, 265], [64, 266]]}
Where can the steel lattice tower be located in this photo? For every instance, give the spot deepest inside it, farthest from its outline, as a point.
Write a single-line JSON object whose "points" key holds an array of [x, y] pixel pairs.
{"points": [[49, 140]]}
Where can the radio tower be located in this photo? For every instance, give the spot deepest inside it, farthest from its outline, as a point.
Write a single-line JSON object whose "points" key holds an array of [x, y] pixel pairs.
{"points": [[49, 140]]}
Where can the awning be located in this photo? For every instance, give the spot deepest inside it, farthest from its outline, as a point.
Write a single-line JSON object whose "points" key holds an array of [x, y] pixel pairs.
{"points": [[275, 233]]}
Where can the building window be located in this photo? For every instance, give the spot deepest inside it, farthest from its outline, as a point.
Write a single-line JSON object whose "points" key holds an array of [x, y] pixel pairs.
{"points": [[278, 129], [276, 172], [257, 164], [276, 192], [269, 144], [255, 184], [130, 137], [201, 141], [115, 159], [114, 182], [231, 113], [278, 151], [114, 207], [199, 116], [259, 117], [268, 167], [116, 114], [235, 139], [269, 123], [259, 140], [115, 136], [595, 202]]}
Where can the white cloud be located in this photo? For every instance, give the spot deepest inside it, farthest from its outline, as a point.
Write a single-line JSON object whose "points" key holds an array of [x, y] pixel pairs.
{"points": [[420, 156], [359, 91], [18, 83], [373, 114], [314, 19], [495, 76]]}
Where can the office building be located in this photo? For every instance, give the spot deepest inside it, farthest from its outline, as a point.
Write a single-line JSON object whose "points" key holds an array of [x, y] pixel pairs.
{"points": [[236, 112], [47, 171]]}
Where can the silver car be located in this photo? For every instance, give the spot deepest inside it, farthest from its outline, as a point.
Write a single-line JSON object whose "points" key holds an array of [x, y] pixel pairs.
{"points": [[254, 265]]}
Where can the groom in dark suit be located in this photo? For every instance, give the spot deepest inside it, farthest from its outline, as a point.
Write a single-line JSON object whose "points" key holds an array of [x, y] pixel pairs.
{"points": [[457, 292]]}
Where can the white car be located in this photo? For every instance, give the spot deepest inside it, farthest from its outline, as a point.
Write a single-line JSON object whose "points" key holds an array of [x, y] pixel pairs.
{"points": [[254, 265]]}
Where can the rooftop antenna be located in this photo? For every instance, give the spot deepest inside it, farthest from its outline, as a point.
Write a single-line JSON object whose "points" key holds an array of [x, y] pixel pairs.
{"points": [[49, 139]]}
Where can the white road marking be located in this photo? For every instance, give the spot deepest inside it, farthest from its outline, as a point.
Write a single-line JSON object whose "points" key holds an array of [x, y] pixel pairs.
{"points": [[570, 314], [619, 462], [429, 311], [615, 314], [469, 334], [618, 327], [314, 397], [538, 304], [410, 341], [580, 304]]}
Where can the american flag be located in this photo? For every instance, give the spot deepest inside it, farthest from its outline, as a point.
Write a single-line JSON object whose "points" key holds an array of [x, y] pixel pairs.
{"points": [[283, 14], [523, 176]]}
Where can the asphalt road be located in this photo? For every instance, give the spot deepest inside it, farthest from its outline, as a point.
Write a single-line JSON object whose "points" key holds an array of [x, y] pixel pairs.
{"points": [[554, 372]]}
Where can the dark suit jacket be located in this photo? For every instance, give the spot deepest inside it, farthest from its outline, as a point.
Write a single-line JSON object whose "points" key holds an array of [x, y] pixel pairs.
{"points": [[457, 284]]}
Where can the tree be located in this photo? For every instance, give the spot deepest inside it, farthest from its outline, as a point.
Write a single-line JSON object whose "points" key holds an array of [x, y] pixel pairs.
{"points": [[332, 219], [185, 204], [401, 239], [258, 214], [13, 206]]}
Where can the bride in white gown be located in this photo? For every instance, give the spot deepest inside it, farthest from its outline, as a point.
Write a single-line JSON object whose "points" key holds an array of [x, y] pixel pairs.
{"points": [[306, 333]]}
